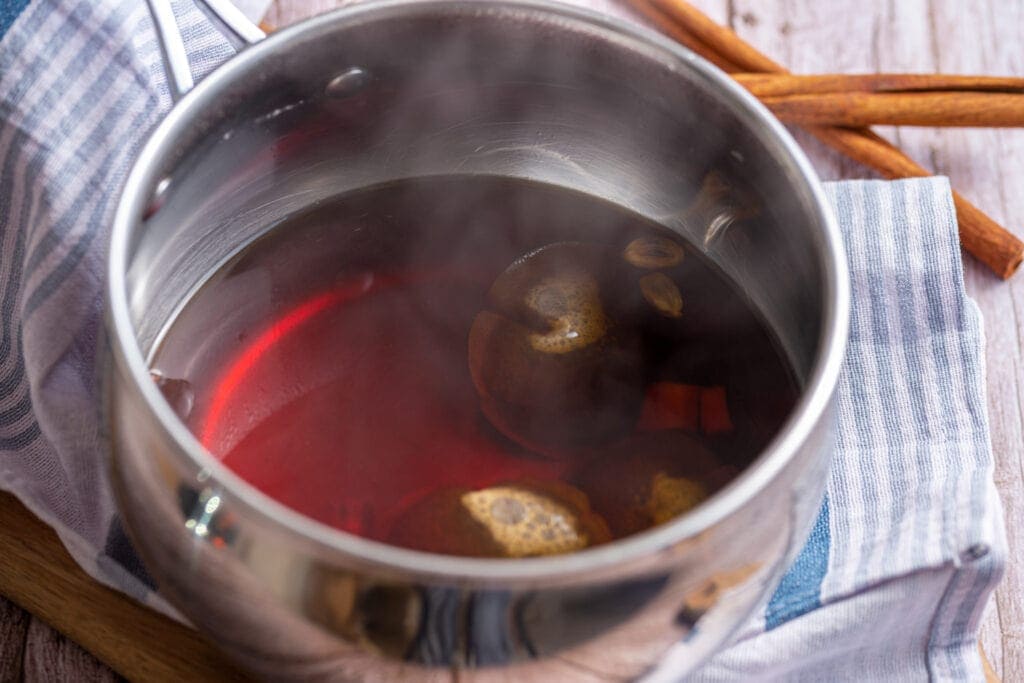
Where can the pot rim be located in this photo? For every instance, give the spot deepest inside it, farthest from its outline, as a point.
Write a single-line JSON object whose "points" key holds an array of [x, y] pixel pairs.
{"points": [[618, 556]]}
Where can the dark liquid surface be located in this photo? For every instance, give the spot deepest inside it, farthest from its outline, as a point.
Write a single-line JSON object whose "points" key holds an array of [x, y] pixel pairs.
{"points": [[327, 365]]}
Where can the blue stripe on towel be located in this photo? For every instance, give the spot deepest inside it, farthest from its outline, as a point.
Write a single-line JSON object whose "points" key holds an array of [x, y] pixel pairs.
{"points": [[9, 11], [799, 591]]}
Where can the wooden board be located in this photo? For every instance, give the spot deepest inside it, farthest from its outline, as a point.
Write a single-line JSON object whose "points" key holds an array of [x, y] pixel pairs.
{"points": [[38, 574]]}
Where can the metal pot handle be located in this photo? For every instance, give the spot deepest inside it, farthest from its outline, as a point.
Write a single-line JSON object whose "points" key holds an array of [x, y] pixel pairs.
{"points": [[227, 18]]}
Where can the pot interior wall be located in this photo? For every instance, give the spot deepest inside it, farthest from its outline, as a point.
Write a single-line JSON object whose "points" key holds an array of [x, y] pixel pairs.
{"points": [[500, 91]]}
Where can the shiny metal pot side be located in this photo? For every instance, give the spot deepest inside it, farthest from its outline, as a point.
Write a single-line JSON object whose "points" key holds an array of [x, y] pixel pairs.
{"points": [[517, 89]]}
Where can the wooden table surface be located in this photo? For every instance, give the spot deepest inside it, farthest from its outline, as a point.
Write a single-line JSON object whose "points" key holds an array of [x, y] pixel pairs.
{"points": [[818, 36]]}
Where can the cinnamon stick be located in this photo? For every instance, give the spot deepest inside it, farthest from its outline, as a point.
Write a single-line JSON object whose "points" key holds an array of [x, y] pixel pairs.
{"points": [[716, 38], [982, 237], [780, 85], [674, 31], [859, 109]]}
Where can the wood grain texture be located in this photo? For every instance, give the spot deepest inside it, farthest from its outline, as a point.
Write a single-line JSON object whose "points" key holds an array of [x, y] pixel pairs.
{"points": [[50, 656], [141, 645], [30, 650], [14, 627]]}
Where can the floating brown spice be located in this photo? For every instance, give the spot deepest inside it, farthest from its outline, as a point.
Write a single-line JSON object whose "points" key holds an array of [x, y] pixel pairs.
{"points": [[661, 293], [527, 521], [670, 497], [649, 479], [718, 205], [517, 519], [552, 368], [672, 405], [652, 252]]}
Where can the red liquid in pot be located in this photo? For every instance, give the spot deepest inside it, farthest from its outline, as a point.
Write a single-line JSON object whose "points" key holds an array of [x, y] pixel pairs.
{"points": [[328, 367]]}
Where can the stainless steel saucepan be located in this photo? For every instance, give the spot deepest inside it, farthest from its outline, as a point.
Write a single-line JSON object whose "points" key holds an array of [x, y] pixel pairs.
{"points": [[514, 88]]}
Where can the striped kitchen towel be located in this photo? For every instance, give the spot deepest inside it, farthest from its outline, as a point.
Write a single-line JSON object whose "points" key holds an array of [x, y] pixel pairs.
{"points": [[908, 545], [81, 83]]}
